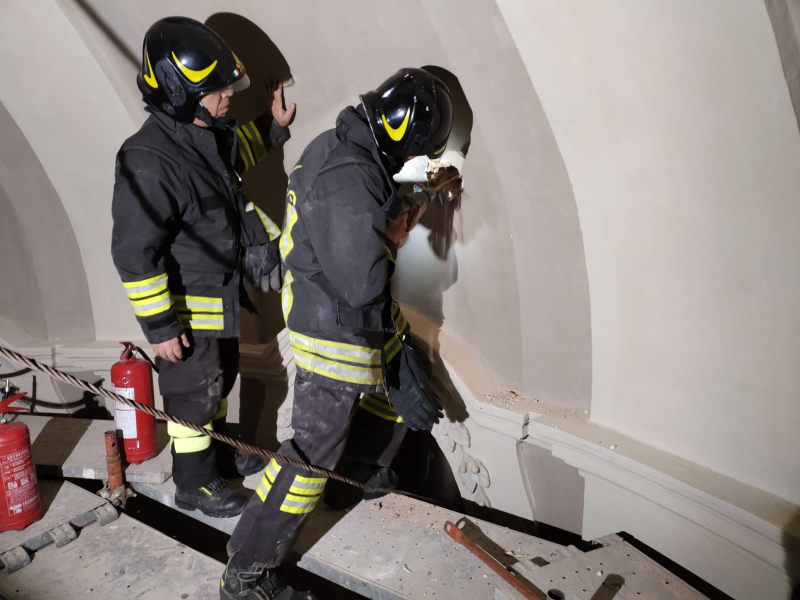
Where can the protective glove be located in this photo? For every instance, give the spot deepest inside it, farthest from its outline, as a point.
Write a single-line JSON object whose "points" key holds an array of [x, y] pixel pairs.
{"points": [[420, 353], [262, 267], [411, 393], [274, 280]]}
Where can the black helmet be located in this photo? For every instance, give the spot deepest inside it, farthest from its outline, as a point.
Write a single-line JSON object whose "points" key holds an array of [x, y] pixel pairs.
{"points": [[182, 61], [410, 114]]}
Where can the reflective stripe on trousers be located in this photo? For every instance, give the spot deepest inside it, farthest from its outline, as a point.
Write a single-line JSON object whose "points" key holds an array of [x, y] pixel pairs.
{"points": [[378, 405], [185, 440]]}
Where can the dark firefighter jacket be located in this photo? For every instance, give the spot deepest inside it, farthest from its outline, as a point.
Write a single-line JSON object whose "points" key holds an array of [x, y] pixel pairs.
{"points": [[338, 261], [180, 223]]}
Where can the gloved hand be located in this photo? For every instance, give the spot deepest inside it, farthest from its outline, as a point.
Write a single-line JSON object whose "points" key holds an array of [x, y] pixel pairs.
{"points": [[420, 354], [262, 267], [411, 393], [274, 280]]}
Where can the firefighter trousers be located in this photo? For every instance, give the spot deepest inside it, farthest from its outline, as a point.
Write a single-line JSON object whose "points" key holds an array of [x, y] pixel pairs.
{"points": [[197, 388], [327, 424]]}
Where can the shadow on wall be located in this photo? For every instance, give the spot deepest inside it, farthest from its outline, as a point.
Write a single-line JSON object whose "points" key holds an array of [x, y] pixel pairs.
{"points": [[440, 217], [427, 265], [109, 32], [461, 133], [265, 185]]}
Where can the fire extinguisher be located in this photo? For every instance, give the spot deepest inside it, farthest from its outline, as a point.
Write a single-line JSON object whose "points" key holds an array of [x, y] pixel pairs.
{"points": [[19, 497], [133, 379]]}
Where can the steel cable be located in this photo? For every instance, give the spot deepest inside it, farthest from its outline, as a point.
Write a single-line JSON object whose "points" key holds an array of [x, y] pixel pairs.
{"points": [[70, 379]]}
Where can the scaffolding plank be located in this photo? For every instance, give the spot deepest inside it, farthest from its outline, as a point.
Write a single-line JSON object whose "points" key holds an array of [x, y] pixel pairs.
{"points": [[617, 571], [395, 548], [60, 504], [361, 549], [165, 494], [68, 447], [125, 559], [319, 522]]}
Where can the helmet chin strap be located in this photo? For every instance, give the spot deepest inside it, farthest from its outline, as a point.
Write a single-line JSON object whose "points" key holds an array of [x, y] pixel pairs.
{"points": [[202, 113]]}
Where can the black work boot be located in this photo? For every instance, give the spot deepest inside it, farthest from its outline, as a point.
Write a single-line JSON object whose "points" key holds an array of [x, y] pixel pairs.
{"points": [[233, 464], [383, 478], [340, 495], [215, 499], [256, 584]]}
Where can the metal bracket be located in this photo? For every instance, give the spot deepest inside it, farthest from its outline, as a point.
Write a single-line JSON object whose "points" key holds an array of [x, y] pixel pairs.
{"points": [[106, 514], [15, 559], [63, 534]]}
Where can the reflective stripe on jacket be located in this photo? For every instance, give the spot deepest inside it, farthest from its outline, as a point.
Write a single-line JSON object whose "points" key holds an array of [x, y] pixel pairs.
{"points": [[338, 261], [180, 223]]}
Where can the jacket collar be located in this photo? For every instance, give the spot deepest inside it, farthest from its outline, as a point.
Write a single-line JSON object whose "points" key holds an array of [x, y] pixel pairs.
{"points": [[351, 125], [191, 130], [163, 119]]}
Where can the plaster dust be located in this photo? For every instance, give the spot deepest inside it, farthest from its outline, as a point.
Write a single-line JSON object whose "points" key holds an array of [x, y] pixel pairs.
{"points": [[515, 402], [770, 508]]}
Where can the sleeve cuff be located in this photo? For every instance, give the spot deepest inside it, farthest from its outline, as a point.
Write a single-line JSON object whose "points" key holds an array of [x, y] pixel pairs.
{"points": [[162, 329], [278, 134], [267, 124]]}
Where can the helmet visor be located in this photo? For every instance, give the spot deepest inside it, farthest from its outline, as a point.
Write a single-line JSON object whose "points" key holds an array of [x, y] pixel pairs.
{"points": [[241, 84]]}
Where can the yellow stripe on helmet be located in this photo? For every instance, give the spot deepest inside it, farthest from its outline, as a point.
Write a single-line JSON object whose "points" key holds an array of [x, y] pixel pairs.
{"points": [[397, 134], [191, 74]]}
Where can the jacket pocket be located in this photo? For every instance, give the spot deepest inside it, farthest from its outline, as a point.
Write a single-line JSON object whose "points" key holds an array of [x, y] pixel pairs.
{"points": [[365, 317], [210, 203], [190, 279]]}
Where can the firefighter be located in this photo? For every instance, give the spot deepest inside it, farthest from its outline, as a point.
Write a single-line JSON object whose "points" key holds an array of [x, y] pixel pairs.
{"points": [[344, 219], [184, 237]]}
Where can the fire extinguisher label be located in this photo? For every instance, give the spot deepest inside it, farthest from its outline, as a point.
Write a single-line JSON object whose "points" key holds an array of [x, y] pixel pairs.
{"points": [[124, 415], [19, 481]]}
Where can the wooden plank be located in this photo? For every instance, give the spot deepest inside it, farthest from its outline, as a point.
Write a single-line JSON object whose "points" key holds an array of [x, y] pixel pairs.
{"points": [[66, 447], [61, 502], [124, 559]]}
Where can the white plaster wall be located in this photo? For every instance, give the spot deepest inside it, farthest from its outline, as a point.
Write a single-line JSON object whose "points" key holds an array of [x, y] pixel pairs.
{"points": [[676, 126], [20, 298], [82, 103], [677, 136], [74, 121], [534, 349]]}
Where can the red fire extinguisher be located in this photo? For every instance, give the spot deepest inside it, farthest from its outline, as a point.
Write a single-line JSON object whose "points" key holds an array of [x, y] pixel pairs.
{"points": [[133, 379], [19, 497]]}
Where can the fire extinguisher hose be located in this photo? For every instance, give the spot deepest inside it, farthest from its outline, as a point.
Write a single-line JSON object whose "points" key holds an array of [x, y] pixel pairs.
{"points": [[147, 358], [78, 383]]}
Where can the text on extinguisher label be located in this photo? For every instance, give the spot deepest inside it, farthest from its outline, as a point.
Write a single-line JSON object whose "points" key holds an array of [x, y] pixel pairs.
{"points": [[19, 481], [124, 415]]}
